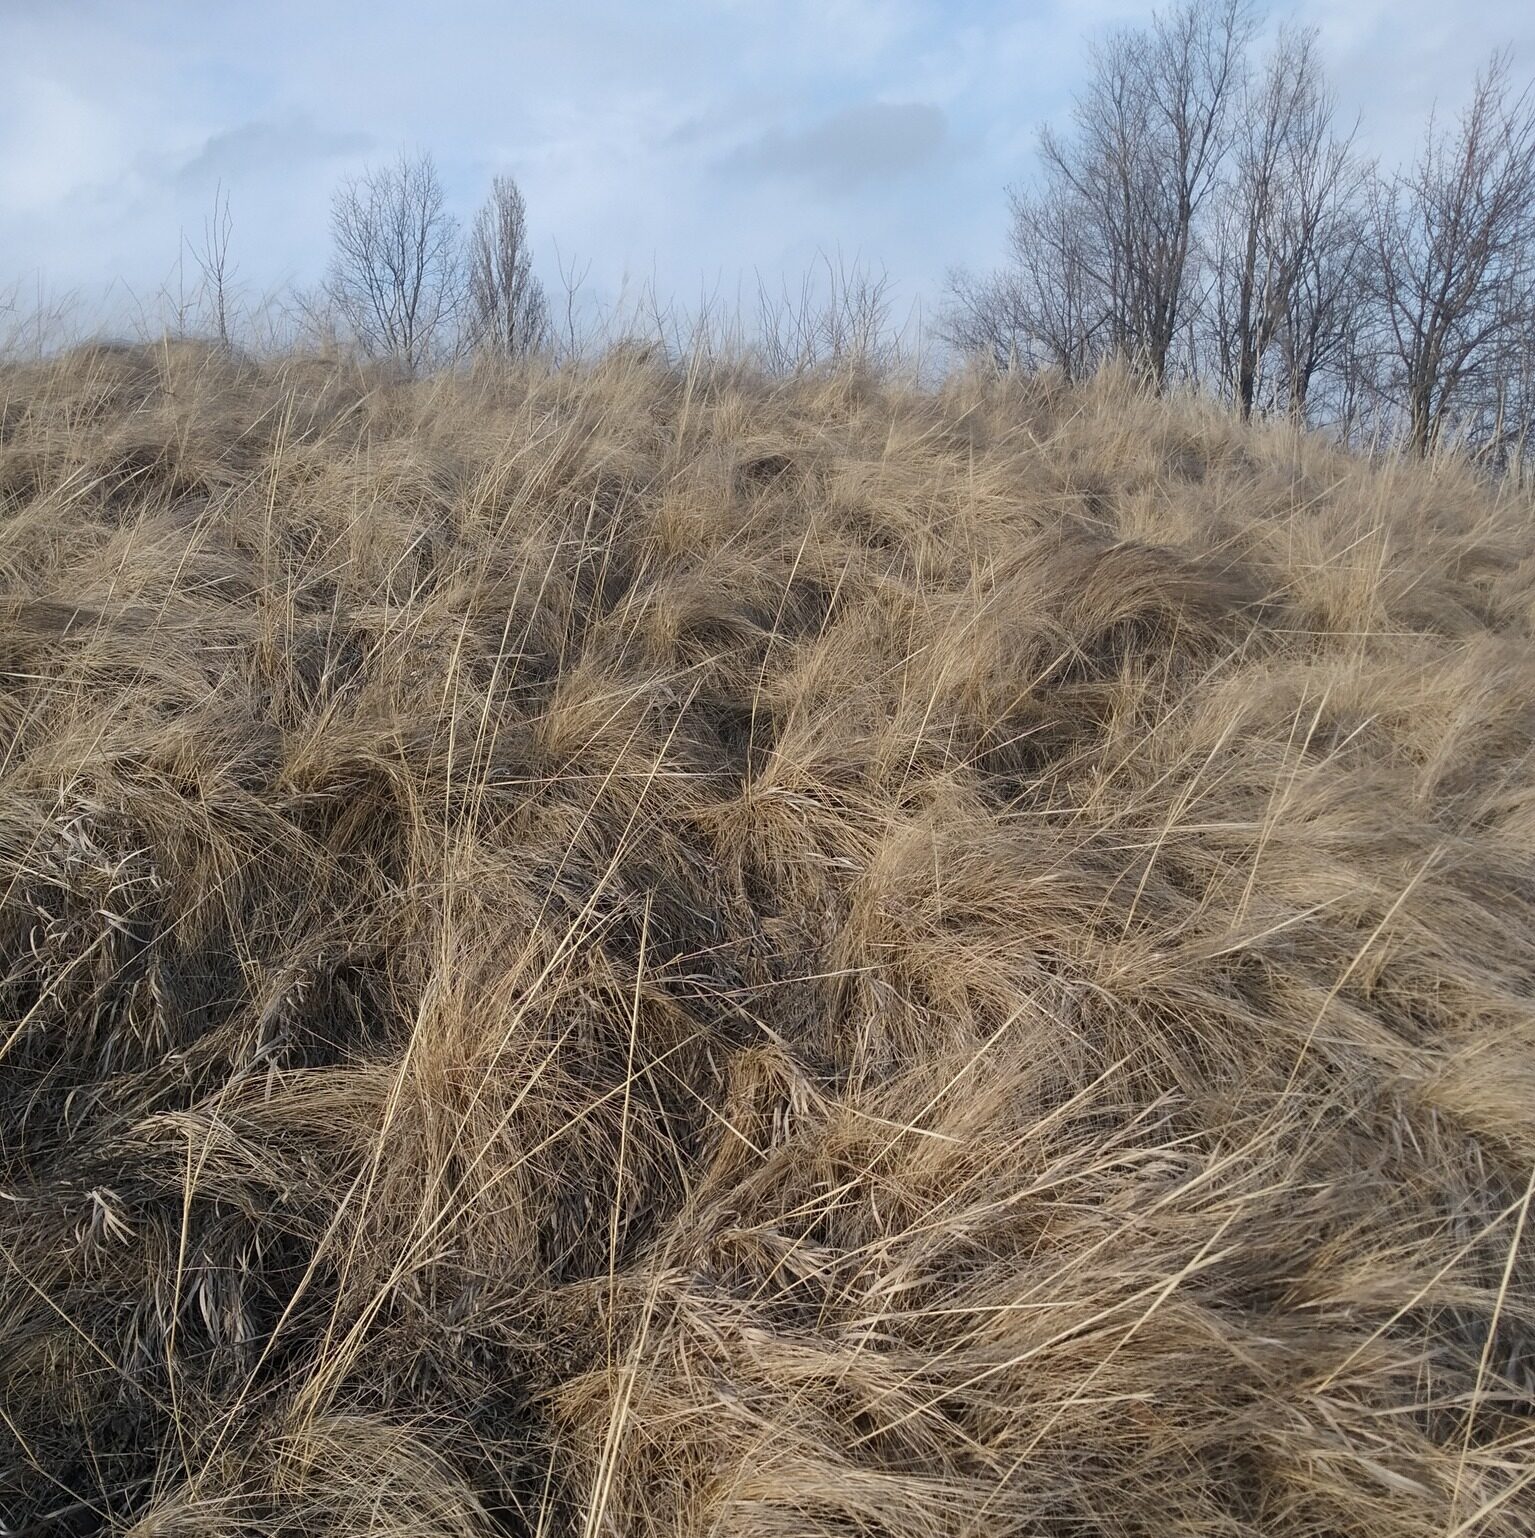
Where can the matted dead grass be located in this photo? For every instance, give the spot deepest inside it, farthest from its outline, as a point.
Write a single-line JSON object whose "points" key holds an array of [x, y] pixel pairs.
{"points": [[648, 952]]}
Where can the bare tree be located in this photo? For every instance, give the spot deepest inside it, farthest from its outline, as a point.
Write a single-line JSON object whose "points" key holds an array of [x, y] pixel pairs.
{"points": [[508, 311], [1066, 312], [1455, 245], [1151, 131], [1512, 445], [985, 316], [1104, 247], [395, 278], [1197, 218], [1283, 170], [212, 258], [1326, 332], [568, 339]]}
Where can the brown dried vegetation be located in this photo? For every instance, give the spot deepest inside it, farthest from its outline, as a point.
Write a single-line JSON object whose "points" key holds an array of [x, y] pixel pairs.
{"points": [[644, 951]]}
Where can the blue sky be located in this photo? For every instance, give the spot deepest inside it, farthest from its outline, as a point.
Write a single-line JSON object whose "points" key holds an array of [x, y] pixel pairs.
{"points": [[694, 144]]}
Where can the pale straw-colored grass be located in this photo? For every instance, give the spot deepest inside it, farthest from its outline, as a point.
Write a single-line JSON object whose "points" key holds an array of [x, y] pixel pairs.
{"points": [[652, 951]]}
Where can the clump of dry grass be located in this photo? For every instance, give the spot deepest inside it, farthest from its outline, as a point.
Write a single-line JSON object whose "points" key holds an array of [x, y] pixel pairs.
{"points": [[651, 952]]}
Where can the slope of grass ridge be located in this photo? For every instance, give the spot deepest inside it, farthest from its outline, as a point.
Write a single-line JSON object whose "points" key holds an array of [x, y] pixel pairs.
{"points": [[648, 952]]}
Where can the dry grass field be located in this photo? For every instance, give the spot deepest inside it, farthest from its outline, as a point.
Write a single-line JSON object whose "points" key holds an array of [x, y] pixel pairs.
{"points": [[645, 951]]}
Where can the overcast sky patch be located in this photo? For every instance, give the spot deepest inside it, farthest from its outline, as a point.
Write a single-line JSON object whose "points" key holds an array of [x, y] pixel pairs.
{"points": [[686, 142], [261, 149], [872, 142]]}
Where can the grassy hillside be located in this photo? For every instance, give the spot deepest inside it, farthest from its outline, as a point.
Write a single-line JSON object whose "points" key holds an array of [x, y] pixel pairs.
{"points": [[652, 954]]}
